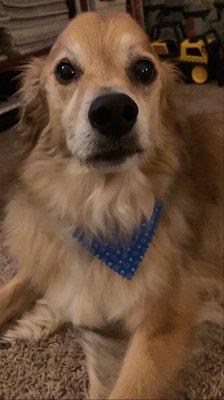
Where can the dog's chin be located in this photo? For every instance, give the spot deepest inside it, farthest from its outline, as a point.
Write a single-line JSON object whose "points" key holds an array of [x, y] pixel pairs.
{"points": [[113, 160]]}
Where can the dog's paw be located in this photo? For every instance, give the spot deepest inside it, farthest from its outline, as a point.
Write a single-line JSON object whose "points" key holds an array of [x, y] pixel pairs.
{"points": [[19, 331], [34, 325], [4, 344]]}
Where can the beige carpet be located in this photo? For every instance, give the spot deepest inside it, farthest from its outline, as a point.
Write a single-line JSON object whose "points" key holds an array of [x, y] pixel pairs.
{"points": [[55, 368]]}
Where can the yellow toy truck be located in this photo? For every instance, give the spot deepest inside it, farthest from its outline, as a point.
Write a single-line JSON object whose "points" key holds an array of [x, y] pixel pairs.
{"points": [[166, 39], [200, 57]]}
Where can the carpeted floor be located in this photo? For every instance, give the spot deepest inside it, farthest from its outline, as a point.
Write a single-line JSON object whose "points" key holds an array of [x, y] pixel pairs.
{"points": [[55, 368]]}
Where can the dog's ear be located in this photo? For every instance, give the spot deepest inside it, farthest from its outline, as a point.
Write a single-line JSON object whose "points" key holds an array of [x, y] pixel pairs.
{"points": [[34, 110], [171, 77]]}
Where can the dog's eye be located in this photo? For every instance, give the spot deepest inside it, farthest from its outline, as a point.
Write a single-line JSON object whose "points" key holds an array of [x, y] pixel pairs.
{"points": [[144, 71], [65, 72]]}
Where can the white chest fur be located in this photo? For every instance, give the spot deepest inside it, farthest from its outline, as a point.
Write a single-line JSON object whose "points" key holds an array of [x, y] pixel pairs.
{"points": [[88, 293]]}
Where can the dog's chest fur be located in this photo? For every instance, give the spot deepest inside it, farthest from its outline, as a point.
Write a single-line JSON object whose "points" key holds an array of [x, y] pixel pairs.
{"points": [[80, 287], [90, 294]]}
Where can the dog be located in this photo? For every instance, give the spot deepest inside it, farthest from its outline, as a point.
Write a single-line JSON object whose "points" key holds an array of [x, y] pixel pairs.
{"points": [[110, 151]]}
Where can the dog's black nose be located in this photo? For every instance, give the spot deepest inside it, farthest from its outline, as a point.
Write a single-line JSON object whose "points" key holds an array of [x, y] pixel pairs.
{"points": [[113, 114]]}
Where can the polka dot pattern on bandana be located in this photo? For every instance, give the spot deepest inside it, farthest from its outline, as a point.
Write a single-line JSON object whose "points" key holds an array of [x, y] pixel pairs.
{"points": [[124, 259]]}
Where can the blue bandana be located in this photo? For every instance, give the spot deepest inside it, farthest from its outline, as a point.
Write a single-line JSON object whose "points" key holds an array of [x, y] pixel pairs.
{"points": [[124, 259]]}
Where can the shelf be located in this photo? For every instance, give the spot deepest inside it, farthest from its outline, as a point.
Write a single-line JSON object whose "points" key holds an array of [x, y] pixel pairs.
{"points": [[15, 61]]}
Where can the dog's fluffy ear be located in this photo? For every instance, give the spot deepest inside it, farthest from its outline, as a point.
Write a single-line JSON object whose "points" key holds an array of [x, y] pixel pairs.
{"points": [[171, 79], [171, 76], [34, 112]]}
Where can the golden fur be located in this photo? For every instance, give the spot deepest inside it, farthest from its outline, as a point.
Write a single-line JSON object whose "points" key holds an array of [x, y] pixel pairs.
{"points": [[137, 333]]}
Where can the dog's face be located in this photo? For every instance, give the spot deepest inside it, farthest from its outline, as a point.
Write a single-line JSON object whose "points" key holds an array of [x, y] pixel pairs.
{"points": [[103, 88]]}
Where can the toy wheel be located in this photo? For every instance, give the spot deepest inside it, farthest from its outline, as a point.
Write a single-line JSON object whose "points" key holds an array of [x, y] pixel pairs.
{"points": [[199, 74]]}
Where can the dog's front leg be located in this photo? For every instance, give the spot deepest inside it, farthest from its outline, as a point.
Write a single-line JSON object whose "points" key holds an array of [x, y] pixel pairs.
{"points": [[15, 297], [152, 365], [103, 355]]}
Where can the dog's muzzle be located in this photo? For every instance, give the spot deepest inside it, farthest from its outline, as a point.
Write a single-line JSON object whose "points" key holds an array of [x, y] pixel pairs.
{"points": [[113, 115]]}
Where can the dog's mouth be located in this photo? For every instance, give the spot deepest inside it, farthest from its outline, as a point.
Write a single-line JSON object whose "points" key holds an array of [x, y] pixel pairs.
{"points": [[113, 157]]}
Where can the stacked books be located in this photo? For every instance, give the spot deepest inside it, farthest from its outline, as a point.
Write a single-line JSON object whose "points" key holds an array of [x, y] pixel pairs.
{"points": [[109, 6], [3, 22], [28, 26]]}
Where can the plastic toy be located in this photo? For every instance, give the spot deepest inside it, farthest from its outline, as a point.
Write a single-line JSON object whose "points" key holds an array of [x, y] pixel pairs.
{"points": [[197, 46], [196, 14], [200, 56], [219, 28], [154, 12], [218, 25], [174, 11], [167, 38]]}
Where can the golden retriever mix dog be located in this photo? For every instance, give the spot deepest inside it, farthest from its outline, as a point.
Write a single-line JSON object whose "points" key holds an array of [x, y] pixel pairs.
{"points": [[108, 149]]}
